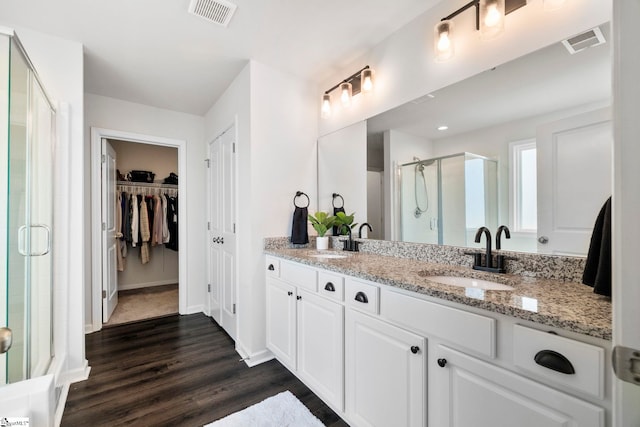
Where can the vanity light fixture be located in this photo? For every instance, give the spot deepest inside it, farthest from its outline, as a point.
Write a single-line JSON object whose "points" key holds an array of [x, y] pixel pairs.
{"points": [[489, 21], [360, 81], [443, 127]]}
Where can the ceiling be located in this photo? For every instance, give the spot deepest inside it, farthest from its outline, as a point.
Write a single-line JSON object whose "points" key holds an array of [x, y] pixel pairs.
{"points": [[155, 53], [544, 81]]}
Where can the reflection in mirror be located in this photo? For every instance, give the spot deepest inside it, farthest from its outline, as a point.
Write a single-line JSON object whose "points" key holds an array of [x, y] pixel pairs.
{"points": [[543, 120], [445, 200]]}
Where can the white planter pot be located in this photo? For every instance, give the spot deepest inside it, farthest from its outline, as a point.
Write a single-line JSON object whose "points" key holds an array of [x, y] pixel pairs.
{"points": [[322, 243]]}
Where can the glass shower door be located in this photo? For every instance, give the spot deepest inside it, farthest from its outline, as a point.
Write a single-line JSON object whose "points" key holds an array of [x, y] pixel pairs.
{"points": [[27, 154]]}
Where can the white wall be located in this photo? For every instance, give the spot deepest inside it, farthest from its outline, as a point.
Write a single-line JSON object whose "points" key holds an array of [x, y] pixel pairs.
{"points": [[277, 131], [114, 114], [404, 62]]}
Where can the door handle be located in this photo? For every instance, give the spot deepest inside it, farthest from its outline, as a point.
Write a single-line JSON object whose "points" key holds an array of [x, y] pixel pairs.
{"points": [[6, 337], [222, 240], [48, 246], [21, 249]]}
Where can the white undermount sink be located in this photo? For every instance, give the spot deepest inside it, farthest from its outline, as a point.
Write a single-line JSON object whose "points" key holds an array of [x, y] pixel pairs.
{"points": [[468, 282], [329, 255]]}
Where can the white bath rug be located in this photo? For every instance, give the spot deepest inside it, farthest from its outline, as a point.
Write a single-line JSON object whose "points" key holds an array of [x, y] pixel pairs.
{"points": [[281, 410]]}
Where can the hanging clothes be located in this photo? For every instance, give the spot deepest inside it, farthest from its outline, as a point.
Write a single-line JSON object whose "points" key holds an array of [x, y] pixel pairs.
{"points": [[172, 219], [159, 219], [165, 223], [135, 222], [144, 231], [119, 258]]}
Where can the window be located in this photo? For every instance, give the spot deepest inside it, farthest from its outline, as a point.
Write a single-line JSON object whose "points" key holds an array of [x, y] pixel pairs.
{"points": [[523, 185]]}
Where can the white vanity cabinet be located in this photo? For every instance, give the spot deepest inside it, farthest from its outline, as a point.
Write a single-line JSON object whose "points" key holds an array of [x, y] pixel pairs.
{"points": [[385, 373], [305, 331], [383, 356], [473, 393]]}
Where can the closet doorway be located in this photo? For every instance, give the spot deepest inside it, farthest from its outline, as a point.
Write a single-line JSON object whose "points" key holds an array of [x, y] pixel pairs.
{"points": [[138, 271]]}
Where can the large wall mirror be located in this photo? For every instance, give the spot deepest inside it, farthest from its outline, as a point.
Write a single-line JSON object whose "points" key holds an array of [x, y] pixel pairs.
{"points": [[526, 144]]}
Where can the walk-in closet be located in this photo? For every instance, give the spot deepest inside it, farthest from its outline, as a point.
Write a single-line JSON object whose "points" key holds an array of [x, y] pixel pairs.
{"points": [[146, 230]]}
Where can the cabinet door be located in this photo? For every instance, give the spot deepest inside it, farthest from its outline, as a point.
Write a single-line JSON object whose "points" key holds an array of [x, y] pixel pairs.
{"points": [[385, 373], [281, 321], [321, 347], [467, 392]]}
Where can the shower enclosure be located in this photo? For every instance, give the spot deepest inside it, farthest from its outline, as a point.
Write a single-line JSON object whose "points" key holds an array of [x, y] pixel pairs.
{"points": [[444, 200], [26, 216]]}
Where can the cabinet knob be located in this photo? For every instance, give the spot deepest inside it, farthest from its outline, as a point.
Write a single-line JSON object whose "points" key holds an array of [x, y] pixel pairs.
{"points": [[442, 362], [222, 240], [215, 240], [361, 297], [415, 349], [298, 297], [329, 287], [555, 361], [271, 267], [289, 293]]}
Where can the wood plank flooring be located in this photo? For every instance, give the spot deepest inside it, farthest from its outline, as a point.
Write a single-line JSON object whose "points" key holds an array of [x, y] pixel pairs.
{"points": [[175, 371]]}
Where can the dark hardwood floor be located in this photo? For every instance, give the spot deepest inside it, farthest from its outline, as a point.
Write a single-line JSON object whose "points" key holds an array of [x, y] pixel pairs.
{"points": [[174, 371]]}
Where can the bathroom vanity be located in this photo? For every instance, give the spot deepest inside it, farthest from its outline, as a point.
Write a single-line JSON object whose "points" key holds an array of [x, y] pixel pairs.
{"points": [[384, 344]]}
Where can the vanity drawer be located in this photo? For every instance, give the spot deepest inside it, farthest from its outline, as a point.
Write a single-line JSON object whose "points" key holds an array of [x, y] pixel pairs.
{"points": [[465, 330], [272, 266], [331, 285], [586, 360], [300, 275], [362, 296]]}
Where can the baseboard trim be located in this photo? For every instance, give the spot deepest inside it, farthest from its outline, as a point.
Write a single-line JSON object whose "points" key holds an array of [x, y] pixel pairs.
{"points": [[255, 359], [129, 286], [193, 309], [88, 328], [76, 375]]}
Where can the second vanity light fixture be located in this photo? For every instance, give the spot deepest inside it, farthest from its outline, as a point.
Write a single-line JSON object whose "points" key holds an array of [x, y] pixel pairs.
{"points": [[360, 81], [489, 21]]}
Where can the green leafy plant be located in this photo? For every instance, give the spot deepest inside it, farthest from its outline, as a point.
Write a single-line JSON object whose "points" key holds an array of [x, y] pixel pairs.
{"points": [[343, 221], [322, 222]]}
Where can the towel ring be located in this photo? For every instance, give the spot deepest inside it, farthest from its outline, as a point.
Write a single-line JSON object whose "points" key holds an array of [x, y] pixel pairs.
{"points": [[298, 194], [333, 202]]}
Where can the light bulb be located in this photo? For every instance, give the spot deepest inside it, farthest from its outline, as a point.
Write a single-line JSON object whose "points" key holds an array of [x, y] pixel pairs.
{"points": [[325, 110], [491, 18], [443, 40], [366, 80], [345, 94]]}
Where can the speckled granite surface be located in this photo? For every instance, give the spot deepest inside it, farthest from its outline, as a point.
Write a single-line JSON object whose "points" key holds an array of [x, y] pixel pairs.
{"points": [[562, 304]]}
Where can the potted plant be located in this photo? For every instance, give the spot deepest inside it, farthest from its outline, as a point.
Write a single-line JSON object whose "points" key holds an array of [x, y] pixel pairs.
{"points": [[322, 222]]}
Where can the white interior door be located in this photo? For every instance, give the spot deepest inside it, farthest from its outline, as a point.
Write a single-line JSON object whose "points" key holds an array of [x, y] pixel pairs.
{"points": [[214, 249], [228, 231], [574, 180], [109, 242], [222, 242]]}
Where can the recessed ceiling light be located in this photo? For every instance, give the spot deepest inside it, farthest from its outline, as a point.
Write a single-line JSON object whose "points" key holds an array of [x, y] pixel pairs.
{"points": [[444, 127]]}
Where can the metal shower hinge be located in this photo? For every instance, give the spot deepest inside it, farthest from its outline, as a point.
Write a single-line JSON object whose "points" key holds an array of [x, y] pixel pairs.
{"points": [[626, 364]]}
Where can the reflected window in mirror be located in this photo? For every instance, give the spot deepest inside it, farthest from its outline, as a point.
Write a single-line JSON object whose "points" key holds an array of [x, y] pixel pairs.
{"points": [[523, 183]]}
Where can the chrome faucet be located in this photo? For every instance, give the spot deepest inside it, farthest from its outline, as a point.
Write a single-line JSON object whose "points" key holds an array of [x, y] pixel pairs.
{"points": [[360, 229], [488, 261]]}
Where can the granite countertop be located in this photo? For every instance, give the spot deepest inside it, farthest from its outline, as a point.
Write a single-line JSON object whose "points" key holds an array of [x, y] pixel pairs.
{"points": [[566, 305]]}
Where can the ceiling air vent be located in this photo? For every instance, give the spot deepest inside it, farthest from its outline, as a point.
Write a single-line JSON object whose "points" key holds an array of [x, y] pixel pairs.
{"points": [[584, 40], [217, 11]]}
